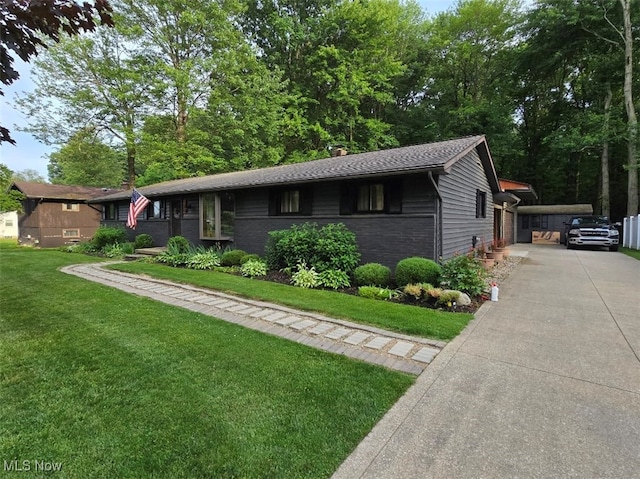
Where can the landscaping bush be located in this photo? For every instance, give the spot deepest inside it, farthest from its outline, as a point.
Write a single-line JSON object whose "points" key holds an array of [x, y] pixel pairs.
{"points": [[250, 257], [117, 250], [372, 274], [375, 292], [331, 247], [108, 235], [417, 270], [253, 268], [305, 277], [335, 279], [207, 259], [143, 241], [178, 245], [464, 273], [232, 257]]}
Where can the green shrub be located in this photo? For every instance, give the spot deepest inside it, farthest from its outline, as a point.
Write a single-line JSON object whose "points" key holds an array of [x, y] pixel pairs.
{"points": [[250, 257], [464, 273], [448, 297], [335, 279], [207, 259], [372, 274], [375, 292], [417, 270], [305, 277], [85, 247], [117, 250], [108, 235], [414, 290], [178, 245], [253, 268], [331, 247], [143, 241], [173, 259], [232, 257]]}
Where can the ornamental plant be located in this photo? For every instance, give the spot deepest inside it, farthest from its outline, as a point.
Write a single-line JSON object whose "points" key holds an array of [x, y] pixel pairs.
{"points": [[372, 274], [108, 235], [232, 257], [253, 268], [143, 241], [375, 292], [334, 278], [417, 270], [464, 273], [305, 277]]}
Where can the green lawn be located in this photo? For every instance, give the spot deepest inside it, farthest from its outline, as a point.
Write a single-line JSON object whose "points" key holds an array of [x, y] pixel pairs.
{"points": [[114, 385], [634, 253], [402, 318]]}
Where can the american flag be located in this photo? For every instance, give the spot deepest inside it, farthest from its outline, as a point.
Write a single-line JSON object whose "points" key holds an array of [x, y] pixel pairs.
{"points": [[137, 205]]}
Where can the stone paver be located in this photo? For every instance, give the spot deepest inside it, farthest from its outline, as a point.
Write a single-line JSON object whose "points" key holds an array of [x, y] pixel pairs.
{"points": [[337, 333], [378, 342], [425, 355], [361, 342], [357, 338], [401, 348]]}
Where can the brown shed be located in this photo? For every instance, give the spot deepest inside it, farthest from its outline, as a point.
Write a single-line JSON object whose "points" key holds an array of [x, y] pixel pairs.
{"points": [[55, 215]]}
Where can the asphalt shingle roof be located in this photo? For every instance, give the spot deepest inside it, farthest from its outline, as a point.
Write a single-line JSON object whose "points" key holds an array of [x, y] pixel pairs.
{"points": [[431, 156], [60, 192]]}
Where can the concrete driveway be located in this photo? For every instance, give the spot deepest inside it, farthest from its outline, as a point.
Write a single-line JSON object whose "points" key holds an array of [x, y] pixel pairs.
{"points": [[543, 383]]}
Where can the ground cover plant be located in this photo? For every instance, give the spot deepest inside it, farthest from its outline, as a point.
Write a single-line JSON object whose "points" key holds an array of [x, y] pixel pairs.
{"points": [[112, 385], [634, 253]]}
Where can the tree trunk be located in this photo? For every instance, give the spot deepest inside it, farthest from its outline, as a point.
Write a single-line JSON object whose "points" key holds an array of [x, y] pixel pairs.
{"points": [[632, 119], [604, 160]]}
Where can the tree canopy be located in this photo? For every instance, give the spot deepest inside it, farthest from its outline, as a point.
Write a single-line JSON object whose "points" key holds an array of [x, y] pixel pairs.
{"points": [[192, 88]]}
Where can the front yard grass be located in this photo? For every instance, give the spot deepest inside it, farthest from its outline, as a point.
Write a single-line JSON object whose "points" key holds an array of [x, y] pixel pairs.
{"points": [[634, 253], [113, 385], [401, 318]]}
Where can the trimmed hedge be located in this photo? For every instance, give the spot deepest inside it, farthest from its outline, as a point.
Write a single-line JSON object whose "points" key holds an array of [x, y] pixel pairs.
{"points": [[372, 274], [417, 270]]}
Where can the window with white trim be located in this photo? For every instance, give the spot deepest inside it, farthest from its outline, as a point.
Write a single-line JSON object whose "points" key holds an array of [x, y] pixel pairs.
{"points": [[72, 233], [70, 206]]}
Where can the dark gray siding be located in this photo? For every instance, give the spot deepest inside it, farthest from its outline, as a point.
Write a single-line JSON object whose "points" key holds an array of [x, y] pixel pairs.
{"points": [[459, 222], [382, 238]]}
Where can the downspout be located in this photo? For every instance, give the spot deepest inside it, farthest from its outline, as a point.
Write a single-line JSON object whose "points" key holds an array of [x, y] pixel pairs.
{"points": [[439, 217], [515, 220]]}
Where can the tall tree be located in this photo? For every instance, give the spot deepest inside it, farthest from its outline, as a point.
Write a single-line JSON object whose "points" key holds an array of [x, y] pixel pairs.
{"points": [[93, 83], [27, 25], [87, 161], [10, 200]]}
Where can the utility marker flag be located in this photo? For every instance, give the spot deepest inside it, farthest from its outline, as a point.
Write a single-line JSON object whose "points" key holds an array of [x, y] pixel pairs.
{"points": [[137, 206]]}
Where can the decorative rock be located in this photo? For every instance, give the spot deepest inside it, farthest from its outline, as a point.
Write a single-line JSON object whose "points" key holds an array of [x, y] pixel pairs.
{"points": [[463, 299]]}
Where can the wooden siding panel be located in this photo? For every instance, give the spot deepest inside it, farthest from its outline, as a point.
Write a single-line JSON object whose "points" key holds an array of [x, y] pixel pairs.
{"points": [[47, 220], [459, 222]]}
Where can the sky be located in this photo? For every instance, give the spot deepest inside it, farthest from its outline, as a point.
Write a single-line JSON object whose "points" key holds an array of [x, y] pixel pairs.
{"points": [[31, 154]]}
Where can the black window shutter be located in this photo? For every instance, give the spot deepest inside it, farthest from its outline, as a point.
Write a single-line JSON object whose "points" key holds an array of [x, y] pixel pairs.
{"points": [[273, 202], [393, 196], [306, 201], [346, 199]]}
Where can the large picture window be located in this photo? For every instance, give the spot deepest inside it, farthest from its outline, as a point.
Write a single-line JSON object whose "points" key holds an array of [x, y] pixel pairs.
{"points": [[217, 216]]}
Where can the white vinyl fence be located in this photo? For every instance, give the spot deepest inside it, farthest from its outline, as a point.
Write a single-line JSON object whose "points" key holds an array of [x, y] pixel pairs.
{"points": [[631, 228]]}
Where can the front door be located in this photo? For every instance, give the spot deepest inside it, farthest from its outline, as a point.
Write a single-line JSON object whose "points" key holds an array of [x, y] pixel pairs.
{"points": [[176, 217]]}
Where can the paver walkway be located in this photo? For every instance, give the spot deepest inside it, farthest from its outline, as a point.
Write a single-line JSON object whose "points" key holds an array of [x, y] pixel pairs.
{"points": [[366, 343]]}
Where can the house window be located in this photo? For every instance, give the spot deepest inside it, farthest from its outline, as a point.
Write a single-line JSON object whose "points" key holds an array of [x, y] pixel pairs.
{"points": [[537, 222], [8, 222], [217, 215], [71, 233], [154, 210], [111, 211], [70, 207], [371, 197], [481, 204], [290, 201]]}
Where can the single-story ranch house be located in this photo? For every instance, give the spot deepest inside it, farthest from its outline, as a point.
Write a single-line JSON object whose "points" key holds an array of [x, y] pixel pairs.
{"points": [[54, 215], [429, 200]]}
